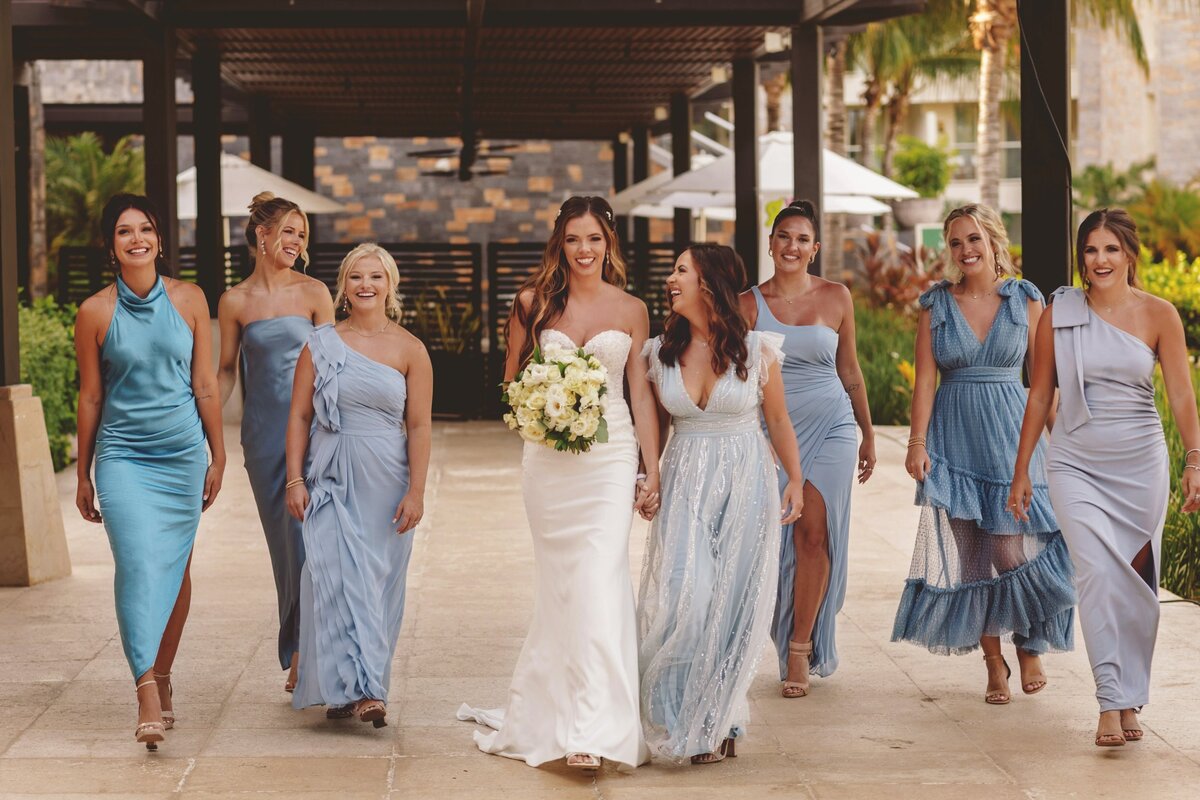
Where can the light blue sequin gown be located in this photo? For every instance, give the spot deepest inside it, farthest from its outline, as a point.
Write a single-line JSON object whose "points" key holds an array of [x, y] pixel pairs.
{"points": [[150, 464], [1109, 481], [353, 580], [976, 571], [825, 431], [269, 351], [711, 566]]}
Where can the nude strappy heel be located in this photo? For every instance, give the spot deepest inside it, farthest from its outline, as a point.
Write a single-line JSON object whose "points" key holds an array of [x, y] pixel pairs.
{"points": [[998, 696], [168, 714], [801, 651], [149, 733], [726, 750]]}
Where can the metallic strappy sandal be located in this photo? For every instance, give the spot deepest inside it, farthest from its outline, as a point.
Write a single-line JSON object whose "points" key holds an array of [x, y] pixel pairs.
{"points": [[801, 651], [998, 696], [168, 714], [149, 733]]}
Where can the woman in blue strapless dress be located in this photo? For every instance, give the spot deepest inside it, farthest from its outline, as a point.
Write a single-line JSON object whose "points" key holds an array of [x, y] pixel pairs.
{"points": [[368, 383], [977, 575], [826, 398], [147, 405], [264, 321]]}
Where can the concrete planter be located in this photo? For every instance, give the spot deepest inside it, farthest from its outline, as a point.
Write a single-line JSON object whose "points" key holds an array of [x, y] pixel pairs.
{"points": [[912, 212]]}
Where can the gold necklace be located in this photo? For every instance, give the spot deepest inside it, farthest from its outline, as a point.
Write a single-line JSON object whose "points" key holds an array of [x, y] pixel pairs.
{"points": [[1108, 309], [365, 335]]}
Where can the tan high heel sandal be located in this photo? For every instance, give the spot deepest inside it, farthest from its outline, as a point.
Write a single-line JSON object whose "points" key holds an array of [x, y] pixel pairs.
{"points": [[802, 651], [149, 733], [584, 761], [998, 696], [726, 750], [168, 714], [373, 711]]}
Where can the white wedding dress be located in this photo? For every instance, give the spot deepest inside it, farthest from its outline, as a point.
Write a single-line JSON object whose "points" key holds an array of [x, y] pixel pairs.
{"points": [[575, 688]]}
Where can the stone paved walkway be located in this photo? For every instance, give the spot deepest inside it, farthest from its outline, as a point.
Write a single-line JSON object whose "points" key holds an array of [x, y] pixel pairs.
{"points": [[894, 721]]}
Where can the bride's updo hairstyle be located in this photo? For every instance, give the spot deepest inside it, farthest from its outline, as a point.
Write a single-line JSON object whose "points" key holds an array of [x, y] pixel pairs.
{"points": [[270, 212], [552, 280], [722, 275]]}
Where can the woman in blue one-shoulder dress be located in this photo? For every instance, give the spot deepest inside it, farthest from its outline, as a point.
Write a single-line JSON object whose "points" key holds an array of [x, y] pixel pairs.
{"points": [[147, 405], [977, 575], [264, 322], [826, 399], [369, 385]]}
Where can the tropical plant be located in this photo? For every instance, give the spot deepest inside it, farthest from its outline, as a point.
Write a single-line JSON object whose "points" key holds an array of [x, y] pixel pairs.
{"points": [[1181, 532], [45, 332], [442, 324], [80, 177], [1101, 186], [923, 167], [1168, 218], [892, 278], [1178, 282], [886, 338]]}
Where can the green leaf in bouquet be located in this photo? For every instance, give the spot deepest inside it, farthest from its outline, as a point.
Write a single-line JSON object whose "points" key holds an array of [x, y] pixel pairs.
{"points": [[602, 431]]}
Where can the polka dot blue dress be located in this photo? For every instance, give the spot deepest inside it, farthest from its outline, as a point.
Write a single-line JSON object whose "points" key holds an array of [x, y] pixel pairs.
{"points": [[975, 570]]}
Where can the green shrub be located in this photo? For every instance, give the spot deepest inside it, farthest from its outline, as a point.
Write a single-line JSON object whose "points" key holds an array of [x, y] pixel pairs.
{"points": [[886, 338], [1168, 218], [46, 332], [1181, 532], [1178, 282], [923, 167]]}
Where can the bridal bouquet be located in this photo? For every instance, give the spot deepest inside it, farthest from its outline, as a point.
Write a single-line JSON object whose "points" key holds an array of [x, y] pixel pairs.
{"points": [[557, 400]]}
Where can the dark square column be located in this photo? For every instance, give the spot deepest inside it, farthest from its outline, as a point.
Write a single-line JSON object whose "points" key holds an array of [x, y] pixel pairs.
{"points": [[260, 133], [206, 127], [158, 123], [681, 161], [745, 164], [10, 368], [641, 225], [808, 141], [299, 162], [620, 162]]}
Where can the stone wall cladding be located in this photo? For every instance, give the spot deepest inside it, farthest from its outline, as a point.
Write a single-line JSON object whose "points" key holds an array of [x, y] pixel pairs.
{"points": [[1177, 87]]}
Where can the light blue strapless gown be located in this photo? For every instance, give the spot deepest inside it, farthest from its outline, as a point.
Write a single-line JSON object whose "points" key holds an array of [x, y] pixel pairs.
{"points": [[353, 580], [269, 351], [709, 578], [825, 430], [150, 464]]}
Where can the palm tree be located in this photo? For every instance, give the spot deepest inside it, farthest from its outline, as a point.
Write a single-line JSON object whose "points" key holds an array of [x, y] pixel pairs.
{"points": [[80, 177]]}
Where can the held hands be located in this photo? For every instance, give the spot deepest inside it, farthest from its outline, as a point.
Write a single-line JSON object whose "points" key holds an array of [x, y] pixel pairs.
{"points": [[297, 500], [647, 498], [793, 502], [1189, 485], [866, 459], [917, 462], [1020, 497], [212, 484], [85, 500], [409, 512]]}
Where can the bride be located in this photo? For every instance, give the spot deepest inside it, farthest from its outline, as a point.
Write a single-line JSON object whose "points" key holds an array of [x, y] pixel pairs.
{"points": [[575, 690]]}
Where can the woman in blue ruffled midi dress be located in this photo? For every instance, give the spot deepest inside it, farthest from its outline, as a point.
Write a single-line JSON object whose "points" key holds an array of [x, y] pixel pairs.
{"points": [[977, 575], [147, 405], [369, 384]]}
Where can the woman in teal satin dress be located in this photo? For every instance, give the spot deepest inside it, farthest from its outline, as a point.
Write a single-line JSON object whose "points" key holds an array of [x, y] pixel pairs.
{"points": [[147, 404], [264, 322]]}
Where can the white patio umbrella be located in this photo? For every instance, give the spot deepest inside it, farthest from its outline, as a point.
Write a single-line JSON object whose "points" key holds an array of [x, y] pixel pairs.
{"points": [[240, 181], [724, 202]]}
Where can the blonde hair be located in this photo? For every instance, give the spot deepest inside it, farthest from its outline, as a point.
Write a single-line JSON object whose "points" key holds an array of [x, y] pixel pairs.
{"points": [[392, 302], [269, 211], [992, 226]]}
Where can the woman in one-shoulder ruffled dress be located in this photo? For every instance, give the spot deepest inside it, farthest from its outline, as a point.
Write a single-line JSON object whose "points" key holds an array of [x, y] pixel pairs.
{"points": [[369, 385], [1108, 467], [977, 575]]}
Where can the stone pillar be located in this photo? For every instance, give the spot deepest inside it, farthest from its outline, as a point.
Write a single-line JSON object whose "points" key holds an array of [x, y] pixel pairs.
{"points": [[33, 544]]}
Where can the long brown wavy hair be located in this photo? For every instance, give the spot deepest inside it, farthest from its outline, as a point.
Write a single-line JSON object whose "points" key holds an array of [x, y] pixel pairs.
{"points": [[722, 275], [552, 280]]}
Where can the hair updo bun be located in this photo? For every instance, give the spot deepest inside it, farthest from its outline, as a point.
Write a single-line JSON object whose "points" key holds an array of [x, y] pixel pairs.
{"points": [[799, 208], [259, 200], [269, 211]]}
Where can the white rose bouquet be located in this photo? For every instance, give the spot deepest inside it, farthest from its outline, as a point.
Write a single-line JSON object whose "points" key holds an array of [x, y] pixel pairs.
{"points": [[557, 400]]}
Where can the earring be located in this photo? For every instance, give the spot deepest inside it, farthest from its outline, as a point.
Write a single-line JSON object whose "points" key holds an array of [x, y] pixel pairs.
{"points": [[811, 260], [263, 247], [345, 305], [160, 253], [771, 253], [112, 259]]}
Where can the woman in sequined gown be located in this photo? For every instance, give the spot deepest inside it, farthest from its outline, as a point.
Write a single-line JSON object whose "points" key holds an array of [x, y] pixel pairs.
{"points": [[264, 322], [712, 561], [574, 692], [977, 575], [1108, 467]]}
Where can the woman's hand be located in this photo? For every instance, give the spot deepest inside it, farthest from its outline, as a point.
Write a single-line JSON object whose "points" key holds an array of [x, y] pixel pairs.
{"points": [[866, 458], [1190, 486], [647, 498], [917, 461], [297, 501], [212, 484], [409, 512], [85, 500], [793, 502], [1020, 496]]}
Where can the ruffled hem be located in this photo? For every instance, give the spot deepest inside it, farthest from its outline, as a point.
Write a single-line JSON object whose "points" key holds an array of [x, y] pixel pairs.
{"points": [[1034, 603], [965, 495]]}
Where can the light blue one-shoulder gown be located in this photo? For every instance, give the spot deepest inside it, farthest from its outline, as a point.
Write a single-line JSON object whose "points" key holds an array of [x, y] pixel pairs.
{"points": [[976, 571], [269, 351], [353, 580], [1109, 478], [712, 561], [825, 431], [150, 464]]}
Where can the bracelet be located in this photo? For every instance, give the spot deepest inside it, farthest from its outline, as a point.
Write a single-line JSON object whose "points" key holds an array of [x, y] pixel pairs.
{"points": [[294, 482], [1189, 452], [1191, 466], [641, 476]]}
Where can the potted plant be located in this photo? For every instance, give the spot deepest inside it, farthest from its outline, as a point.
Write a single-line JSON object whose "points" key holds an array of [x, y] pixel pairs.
{"points": [[926, 169], [451, 333]]}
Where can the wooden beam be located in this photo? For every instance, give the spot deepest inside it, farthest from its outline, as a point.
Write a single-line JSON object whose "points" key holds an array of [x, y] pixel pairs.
{"points": [[681, 162], [1046, 222], [808, 139], [159, 116], [10, 359], [746, 230], [210, 230]]}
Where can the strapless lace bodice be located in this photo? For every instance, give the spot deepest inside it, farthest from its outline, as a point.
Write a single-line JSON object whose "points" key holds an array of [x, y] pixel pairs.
{"points": [[611, 347]]}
